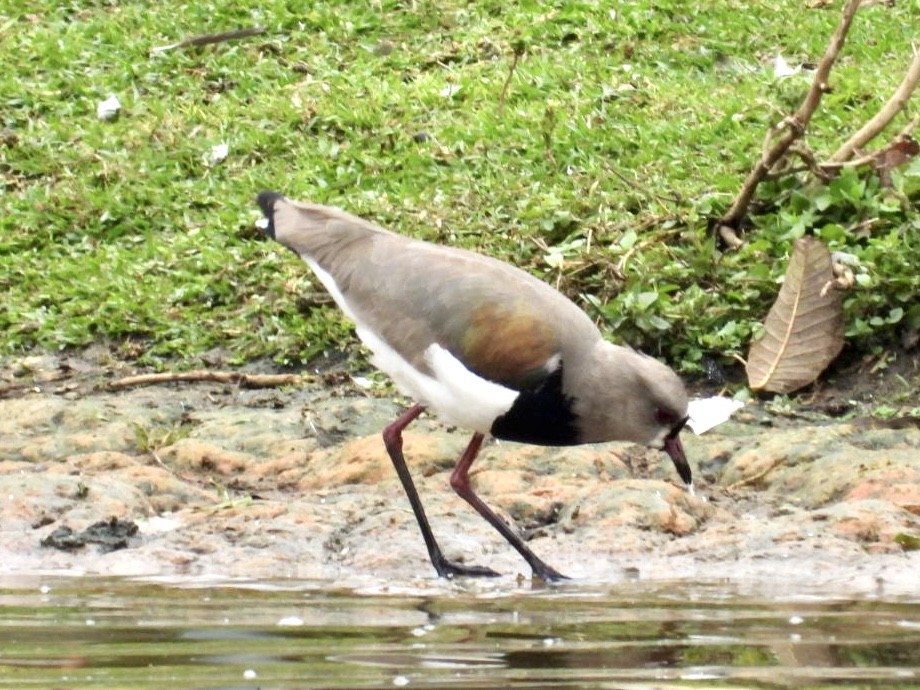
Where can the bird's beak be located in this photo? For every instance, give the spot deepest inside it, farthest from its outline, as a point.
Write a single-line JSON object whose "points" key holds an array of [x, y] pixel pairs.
{"points": [[674, 448]]}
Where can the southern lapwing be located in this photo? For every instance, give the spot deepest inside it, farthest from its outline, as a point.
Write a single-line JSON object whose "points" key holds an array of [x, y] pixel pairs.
{"points": [[486, 346]]}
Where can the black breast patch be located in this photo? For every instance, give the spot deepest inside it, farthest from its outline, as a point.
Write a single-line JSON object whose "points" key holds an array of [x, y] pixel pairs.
{"points": [[542, 416]]}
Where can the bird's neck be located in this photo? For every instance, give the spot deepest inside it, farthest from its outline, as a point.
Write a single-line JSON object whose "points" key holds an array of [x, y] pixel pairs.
{"points": [[600, 388]]}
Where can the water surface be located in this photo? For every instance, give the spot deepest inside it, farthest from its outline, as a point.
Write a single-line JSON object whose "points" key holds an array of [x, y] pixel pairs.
{"points": [[86, 632]]}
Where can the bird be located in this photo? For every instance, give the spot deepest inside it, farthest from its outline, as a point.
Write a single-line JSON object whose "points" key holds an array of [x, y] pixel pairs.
{"points": [[484, 345]]}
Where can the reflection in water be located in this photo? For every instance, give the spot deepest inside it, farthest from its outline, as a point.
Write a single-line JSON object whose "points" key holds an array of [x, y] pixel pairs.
{"points": [[119, 633]]}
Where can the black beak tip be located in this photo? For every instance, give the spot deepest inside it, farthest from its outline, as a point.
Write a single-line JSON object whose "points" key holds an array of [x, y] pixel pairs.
{"points": [[266, 201]]}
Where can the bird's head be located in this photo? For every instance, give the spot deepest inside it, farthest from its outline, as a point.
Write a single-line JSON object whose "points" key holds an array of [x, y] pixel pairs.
{"points": [[634, 397]]}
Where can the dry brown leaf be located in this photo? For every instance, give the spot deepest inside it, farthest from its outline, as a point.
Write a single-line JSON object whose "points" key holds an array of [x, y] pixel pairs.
{"points": [[900, 152], [804, 329]]}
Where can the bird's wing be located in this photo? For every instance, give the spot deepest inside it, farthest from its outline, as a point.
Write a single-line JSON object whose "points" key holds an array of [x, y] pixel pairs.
{"points": [[499, 321]]}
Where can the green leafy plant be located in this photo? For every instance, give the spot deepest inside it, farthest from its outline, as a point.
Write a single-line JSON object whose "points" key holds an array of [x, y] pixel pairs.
{"points": [[150, 439], [621, 132]]}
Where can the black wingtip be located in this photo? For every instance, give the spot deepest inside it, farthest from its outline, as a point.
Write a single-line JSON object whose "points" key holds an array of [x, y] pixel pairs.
{"points": [[266, 201]]}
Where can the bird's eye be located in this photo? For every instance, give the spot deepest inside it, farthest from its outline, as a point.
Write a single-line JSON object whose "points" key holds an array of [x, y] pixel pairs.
{"points": [[665, 417]]}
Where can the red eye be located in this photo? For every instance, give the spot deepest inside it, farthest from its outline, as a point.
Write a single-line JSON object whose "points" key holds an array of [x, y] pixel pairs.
{"points": [[665, 417]]}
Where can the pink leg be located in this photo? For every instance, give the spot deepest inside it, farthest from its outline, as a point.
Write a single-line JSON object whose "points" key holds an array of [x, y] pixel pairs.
{"points": [[460, 482], [392, 438]]}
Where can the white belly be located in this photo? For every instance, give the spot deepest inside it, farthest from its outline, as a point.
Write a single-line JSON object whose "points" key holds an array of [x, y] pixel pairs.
{"points": [[455, 393]]}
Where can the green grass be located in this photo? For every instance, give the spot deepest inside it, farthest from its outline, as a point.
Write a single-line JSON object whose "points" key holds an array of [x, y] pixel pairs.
{"points": [[624, 131]]}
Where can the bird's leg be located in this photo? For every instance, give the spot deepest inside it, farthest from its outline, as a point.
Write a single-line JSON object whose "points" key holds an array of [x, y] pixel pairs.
{"points": [[392, 438], [460, 482]]}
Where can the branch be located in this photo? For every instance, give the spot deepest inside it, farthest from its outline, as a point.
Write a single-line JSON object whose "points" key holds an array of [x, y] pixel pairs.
{"points": [[809, 163], [207, 39], [519, 49], [753, 479], [793, 126], [244, 380], [641, 189], [883, 117], [10, 388], [903, 142]]}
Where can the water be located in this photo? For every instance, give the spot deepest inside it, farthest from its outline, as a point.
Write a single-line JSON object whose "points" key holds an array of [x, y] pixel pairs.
{"points": [[98, 633]]}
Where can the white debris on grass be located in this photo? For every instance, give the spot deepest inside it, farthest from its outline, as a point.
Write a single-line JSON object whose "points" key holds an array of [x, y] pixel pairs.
{"points": [[158, 524], [217, 154], [782, 69], [449, 90], [707, 413], [109, 108], [292, 621]]}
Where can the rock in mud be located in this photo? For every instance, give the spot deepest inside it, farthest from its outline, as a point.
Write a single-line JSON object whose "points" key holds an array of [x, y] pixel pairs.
{"points": [[108, 535]]}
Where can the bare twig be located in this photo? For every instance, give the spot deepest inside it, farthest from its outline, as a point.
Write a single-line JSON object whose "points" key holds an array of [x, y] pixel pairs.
{"points": [[518, 52], [786, 172], [729, 236], [868, 159], [662, 198], [884, 116], [809, 163], [661, 237], [244, 380], [792, 127], [903, 140], [753, 479], [9, 388], [208, 39]]}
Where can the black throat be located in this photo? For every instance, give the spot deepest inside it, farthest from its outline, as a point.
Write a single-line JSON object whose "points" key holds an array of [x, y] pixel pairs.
{"points": [[542, 416]]}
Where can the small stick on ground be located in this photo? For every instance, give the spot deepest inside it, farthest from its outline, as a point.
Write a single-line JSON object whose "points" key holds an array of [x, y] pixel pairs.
{"points": [[10, 388], [757, 477], [663, 199], [208, 39], [244, 380], [518, 52]]}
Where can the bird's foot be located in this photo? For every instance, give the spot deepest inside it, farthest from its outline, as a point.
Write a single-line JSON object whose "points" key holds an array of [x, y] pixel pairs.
{"points": [[451, 570]]}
